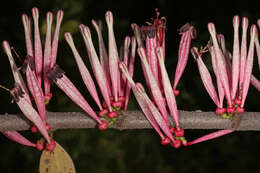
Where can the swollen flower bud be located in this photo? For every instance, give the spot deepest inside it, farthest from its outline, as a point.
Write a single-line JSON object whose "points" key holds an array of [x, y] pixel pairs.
{"points": [[176, 144], [103, 125], [165, 141], [50, 146]]}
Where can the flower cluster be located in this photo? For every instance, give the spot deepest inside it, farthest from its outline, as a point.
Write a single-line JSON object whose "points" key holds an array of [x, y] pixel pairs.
{"points": [[112, 85], [152, 57], [233, 71], [35, 67]]}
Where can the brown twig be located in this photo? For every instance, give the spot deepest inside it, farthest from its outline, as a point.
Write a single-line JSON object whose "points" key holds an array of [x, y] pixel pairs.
{"points": [[132, 120]]}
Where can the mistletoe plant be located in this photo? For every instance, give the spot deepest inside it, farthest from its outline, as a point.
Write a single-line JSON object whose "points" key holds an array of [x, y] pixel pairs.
{"points": [[233, 72]]}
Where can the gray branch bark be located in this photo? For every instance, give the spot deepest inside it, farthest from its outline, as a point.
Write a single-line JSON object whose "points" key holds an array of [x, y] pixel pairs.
{"points": [[132, 120]]}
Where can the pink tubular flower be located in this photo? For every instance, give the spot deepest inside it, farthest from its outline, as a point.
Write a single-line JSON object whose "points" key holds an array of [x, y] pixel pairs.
{"points": [[156, 114], [113, 55], [131, 71], [50, 49], [153, 85], [205, 76], [151, 45], [257, 46], [243, 53], [188, 33], [249, 64], [34, 87], [169, 95], [56, 74], [95, 64], [31, 77], [21, 96], [227, 57], [255, 82], [47, 56], [29, 112], [55, 41], [84, 71], [154, 36], [141, 100], [16, 73], [211, 136], [112, 85], [221, 64], [104, 61], [125, 57], [17, 137], [27, 30], [214, 65], [236, 57], [149, 109], [37, 46]]}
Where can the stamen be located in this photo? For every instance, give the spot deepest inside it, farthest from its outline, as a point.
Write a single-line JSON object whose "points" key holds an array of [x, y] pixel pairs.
{"points": [[55, 73], [3, 87], [185, 28], [17, 55], [138, 35], [17, 93], [148, 31]]}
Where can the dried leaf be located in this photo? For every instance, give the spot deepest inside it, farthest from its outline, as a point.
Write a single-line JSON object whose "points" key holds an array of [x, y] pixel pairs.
{"points": [[57, 161]]}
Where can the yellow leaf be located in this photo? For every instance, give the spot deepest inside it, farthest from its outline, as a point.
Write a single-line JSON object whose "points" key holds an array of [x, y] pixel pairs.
{"points": [[57, 161]]}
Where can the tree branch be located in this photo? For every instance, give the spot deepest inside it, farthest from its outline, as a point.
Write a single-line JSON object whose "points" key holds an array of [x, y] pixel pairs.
{"points": [[131, 120]]}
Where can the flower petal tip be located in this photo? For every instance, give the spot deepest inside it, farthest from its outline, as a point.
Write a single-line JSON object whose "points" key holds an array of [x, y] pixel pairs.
{"points": [[109, 17], [236, 21], [211, 28], [35, 12]]}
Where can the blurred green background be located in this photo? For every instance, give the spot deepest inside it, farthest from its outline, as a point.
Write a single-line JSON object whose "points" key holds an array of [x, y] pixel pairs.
{"points": [[131, 150]]}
